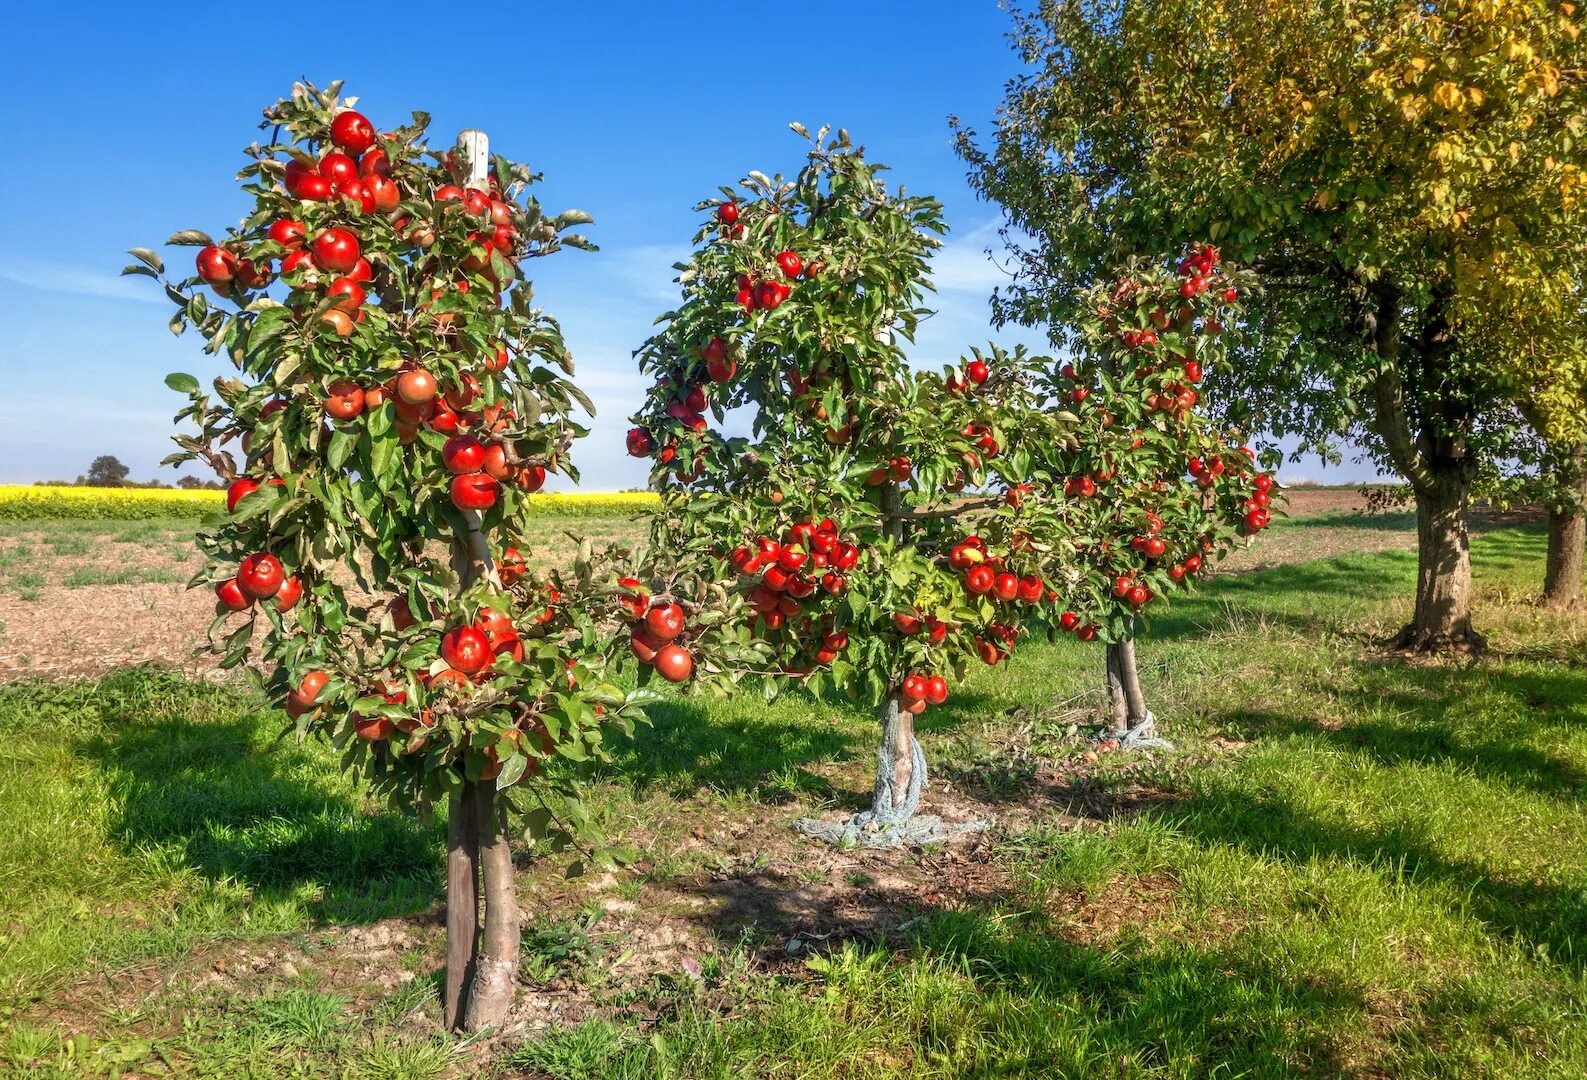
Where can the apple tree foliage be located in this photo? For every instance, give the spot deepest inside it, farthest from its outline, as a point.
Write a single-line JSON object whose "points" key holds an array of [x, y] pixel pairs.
{"points": [[376, 309], [814, 548]]}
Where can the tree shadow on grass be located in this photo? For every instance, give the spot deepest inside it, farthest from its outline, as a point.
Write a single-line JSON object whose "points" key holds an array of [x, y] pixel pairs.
{"points": [[193, 771], [764, 750]]}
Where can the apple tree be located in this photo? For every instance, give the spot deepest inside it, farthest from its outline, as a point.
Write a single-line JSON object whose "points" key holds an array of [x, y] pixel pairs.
{"points": [[832, 543], [1156, 494], [397, 398]]}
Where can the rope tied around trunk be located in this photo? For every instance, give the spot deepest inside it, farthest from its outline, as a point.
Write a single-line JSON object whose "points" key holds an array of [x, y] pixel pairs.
{"points": [[1142, 736], [887, 825]]}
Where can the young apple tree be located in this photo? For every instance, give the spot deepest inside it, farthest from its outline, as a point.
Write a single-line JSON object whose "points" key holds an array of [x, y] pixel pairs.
{"points": [[827, 546], [1156, 495], [398, 398]]}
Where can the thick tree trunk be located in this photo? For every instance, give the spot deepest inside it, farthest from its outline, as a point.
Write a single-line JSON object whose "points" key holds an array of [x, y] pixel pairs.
{"points": [[496, 965], [1567, 535], [900, 770], [462, 903], [1442, 619]]}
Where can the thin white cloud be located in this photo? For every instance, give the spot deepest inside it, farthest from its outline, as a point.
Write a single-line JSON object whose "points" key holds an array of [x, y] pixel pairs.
{"points": [[76, 280], [964, 265]]}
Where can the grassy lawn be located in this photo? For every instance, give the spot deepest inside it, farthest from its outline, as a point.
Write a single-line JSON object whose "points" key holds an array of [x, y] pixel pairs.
{"points": [[1353, 865]]}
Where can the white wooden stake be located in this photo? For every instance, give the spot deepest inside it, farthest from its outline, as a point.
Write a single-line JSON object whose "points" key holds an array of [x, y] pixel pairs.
{"points": [[476, 151]]}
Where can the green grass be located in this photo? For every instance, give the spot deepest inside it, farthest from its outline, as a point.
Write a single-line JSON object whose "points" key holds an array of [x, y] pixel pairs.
{"points": [[126, 575], [1354, 866]]}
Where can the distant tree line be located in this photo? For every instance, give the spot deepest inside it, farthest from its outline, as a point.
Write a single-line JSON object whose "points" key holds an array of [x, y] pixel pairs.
{"points": [[107, 471]]}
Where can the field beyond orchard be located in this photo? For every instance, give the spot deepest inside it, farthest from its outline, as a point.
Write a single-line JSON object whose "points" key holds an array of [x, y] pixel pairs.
{"points": [[1352, 864]]}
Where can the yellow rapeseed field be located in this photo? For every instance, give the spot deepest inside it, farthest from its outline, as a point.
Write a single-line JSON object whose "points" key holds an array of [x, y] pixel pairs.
{"points": [[19, 502]]}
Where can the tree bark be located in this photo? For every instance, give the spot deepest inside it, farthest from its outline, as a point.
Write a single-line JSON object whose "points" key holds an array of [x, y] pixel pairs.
{"points": [[898, 750], [1124, 686], [1567, 534], [462, 902], [496, 964], [1119, 703], [1434, 457], [1442, 618]]}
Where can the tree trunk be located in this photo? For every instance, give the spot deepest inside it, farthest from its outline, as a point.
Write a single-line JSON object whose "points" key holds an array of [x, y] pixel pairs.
{"points": [[1442, 618], [496, 964], [1567, 534], [1119, 703], [900, 769], [1124, 686], [462, 902]]}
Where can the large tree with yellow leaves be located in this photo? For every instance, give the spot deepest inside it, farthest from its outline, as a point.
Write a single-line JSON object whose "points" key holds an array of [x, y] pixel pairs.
{"points": [[1392, 168]]}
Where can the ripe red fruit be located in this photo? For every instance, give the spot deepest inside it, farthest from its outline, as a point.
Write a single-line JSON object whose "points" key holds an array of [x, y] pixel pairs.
{"points": [[416, 387], [231, 596], [382, 192], [475, 491], [914, 688], [980, 578], [906, 622], [767, 295], [936, 689], [1005, 586], [315, 188], [1031, 589], [1087, 632], [339, 169], [1256, 519], [288, 233], [644, 645], [899, 469], [466, 649], [1138, 595], [664, 621], [791, 558], [727, 213], [344, 399], [977, 371], [640, 442], [303, 698], [463, 454], [1263, 483], [1193, 372], [289, 594], [1068, 620], [339, 321], [240, 489], [348, 294], [352, 131], [336, 251], [531, 478], [721, 369], [1155, 548], [790, 263], [674, 663], [216, 265], [260, 575]]}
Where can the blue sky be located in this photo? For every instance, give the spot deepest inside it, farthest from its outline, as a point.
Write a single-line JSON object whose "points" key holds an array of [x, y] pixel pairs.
{"points": [[632, 111]]}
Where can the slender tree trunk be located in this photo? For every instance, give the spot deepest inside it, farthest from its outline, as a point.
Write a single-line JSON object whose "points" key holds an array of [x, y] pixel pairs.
{"points": [[462, 902], [1442, 619], [1567, 534], [1119, 703], [496, 964], [1124, 686]]}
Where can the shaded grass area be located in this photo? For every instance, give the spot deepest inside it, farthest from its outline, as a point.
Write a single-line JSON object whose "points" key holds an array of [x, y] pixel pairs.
{"points": [[1355, 865]]}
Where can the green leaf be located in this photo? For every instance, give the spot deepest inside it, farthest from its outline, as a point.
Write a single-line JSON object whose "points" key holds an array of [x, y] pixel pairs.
{"points": [[190, 238], [148, 258], [181, 382]]}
